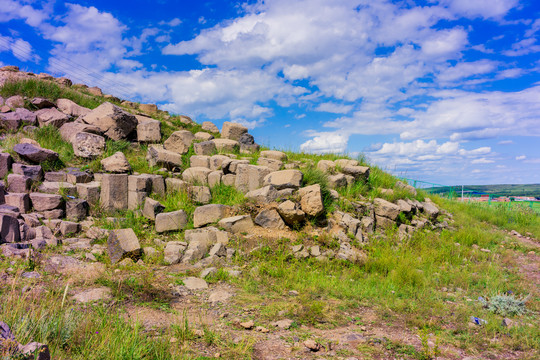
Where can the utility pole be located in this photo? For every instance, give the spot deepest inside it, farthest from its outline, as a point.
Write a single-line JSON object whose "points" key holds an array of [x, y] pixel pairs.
{"points": [[461, 192]]}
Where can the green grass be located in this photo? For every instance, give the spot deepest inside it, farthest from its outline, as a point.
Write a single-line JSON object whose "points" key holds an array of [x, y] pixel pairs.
{"points": [[78, 333], [227, 195], [402, 278], [49, 138], [520, 218], [40, 88]]}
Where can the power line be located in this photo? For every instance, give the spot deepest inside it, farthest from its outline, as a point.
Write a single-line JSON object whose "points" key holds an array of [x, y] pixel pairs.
{"points": [[74, 69]]}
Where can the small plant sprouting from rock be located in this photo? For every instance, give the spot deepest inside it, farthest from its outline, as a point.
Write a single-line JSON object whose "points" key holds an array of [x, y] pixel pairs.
{"points": [[506, 305]]}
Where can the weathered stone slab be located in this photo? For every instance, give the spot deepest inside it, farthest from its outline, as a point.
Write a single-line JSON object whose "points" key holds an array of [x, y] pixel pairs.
{"points": [[18, 183], [157, 155], [232, 130], [205, 148], [311, 200], [9, 229], [51, 117], [291, 213], [196, 175], [152, 208], [5, 164], [88, 145], [149, 131], [284, 179], [250, 177], [274, 154], [19, 200], [386, 209], [35, 153], [123, 244], [114, 192], [209, 214], [45, 202], [269, 219], [179, 141], [89, 192], [77, 209], [61, 188], [171, 221], [237, 224], [114, 122]]}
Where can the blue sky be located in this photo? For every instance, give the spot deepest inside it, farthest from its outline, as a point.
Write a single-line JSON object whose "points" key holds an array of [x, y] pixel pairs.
{"points": [[444, 91]]}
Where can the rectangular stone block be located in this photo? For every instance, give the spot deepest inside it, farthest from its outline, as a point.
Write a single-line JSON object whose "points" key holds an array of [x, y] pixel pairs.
{"points": [[5, 164], [114, 192], [9, 229], [89, 192], [33, 172], [175, 185], [250, 177], [19, 200], [139, 183], [122, 244], [18, 183], [149, 131], [136, 199], [62, 188], [158, 184], [152, 208], [171, 221], [78, 177], [56, 176]]}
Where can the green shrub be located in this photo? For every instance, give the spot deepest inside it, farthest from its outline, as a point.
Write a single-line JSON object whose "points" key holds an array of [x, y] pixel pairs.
{"points": [[505, 305]]}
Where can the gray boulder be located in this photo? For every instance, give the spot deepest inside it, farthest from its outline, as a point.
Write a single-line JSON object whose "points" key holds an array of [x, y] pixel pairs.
{"points": [[51, 117], [179, 141], [237, 224], [171, 221], [232, 130], [117, 163], [311, 200], [122, 244], [35, 153], [386, 209], [209, 214], [269, 219], [87, 145], [114, 122]]}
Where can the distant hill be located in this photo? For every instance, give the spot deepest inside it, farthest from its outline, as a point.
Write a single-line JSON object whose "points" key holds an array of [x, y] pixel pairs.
{"points": [[501, 189]]}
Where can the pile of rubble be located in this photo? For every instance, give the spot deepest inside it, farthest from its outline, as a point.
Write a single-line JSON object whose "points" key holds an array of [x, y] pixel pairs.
{"points": [[39, 209]]}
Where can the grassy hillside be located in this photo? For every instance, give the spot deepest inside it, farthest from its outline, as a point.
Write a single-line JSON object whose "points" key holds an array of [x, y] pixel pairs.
{"points": [[412, 298], [499, 190]]}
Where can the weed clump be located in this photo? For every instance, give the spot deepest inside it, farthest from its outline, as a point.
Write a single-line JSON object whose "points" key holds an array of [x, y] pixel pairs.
{"points": [[506, 305]]}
